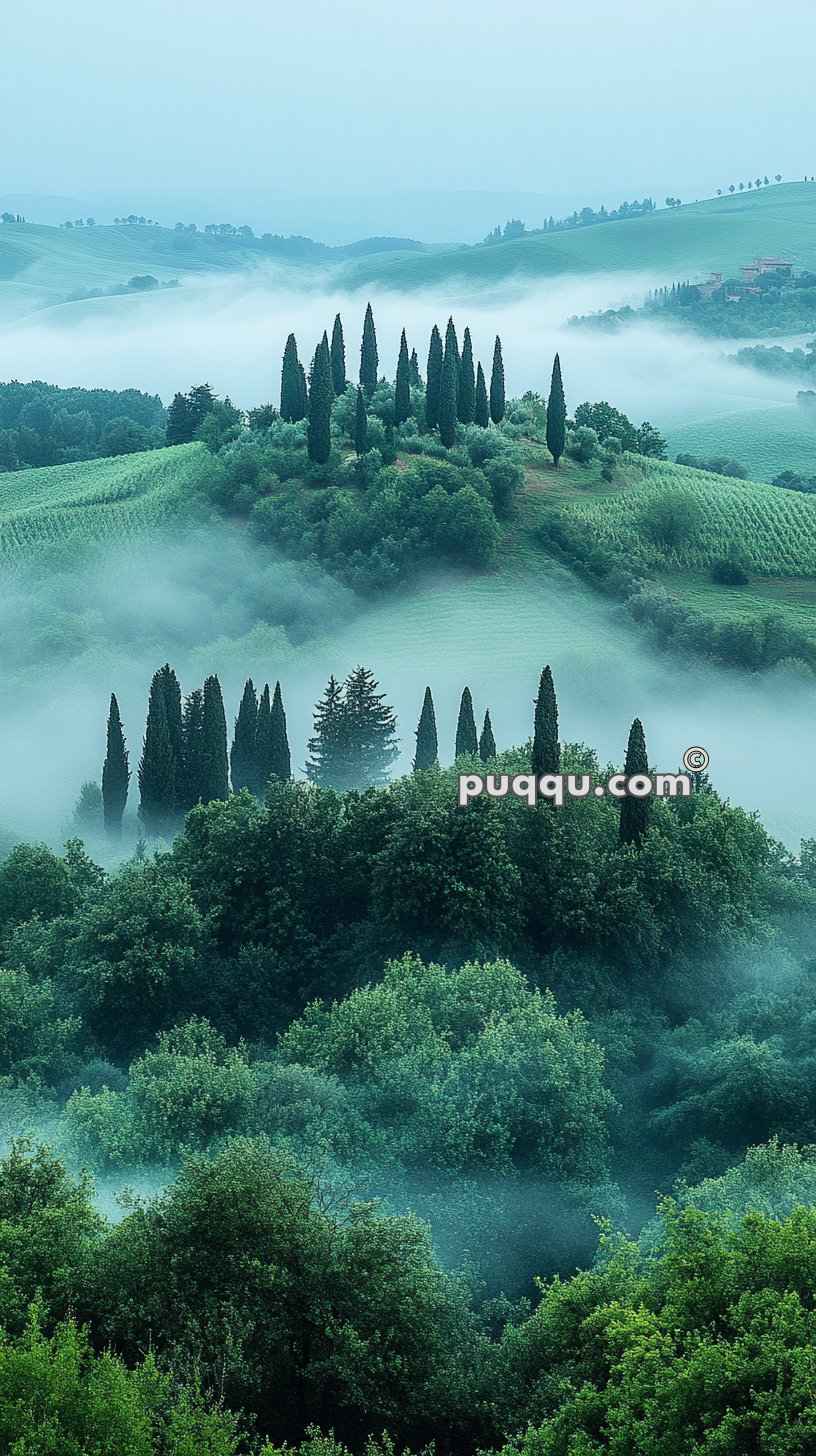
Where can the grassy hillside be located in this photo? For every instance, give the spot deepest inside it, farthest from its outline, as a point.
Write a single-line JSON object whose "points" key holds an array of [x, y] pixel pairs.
{"points": [[765, 440], [723, 232], [95, 500]]}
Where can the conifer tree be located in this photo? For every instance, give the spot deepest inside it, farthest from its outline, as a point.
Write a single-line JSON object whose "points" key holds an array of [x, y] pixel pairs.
{"points": [[360, 424], [466, 740], [497, 384], [635, 813], [263, 744], [115, 773], [546, 748], [427, 744], [369, 358], [556, 415], [181, 425], [402, 393], [243, 751], [293, 384], [487, 743], [279, 760], [157, 766], [192, 724], [326, 763], [338, 357], [215, 776], [481, 409], [172, 702], [449, 389], [433, 386], [368, 730], [466, 400], [414, 376], [321, 397]]}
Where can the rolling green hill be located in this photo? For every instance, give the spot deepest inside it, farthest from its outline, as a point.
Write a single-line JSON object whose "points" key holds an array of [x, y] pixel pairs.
{"points": [[766, 440], [95, 500]]}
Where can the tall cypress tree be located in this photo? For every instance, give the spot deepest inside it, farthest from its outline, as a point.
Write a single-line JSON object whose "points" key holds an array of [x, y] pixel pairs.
{"points": [[481, 409], [157, 766], [466, 400], [293, 384], [263, 744], [449, 389], [321, 396], [215, 777], [487, 743], [497, 384], [546, 748], [369, 358], [466, 740], [192, 725], [434, 379], [115, 773], [556, 415], [427, 743], [414, 376], [243, 751], [171, 688], [338, 357], [402, 393], [360, 424], [280, 761], [327, 760], [635, 813]]}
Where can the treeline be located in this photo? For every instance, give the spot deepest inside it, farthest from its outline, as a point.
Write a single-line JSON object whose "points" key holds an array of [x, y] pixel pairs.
{"points": [[41, 424], [514, 228]]}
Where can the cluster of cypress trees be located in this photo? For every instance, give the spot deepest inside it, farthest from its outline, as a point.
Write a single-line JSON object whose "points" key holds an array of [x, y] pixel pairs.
{"points": [[453, 392], [185, 759]]}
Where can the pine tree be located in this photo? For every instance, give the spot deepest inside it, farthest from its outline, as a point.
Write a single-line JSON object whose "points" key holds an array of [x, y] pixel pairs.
{"points": [[466, 740], [487, 743], [427, 744], [414, 376], [115, 773], [243, 752], [481, 409], [368, 730], [449, 389], [369, 358], [556, 415], [215, 776], [192, 724], [338, 357], [635, 813], [280, 761], [293, 384], [402, 393], [180, 424], [360, 424], [466, 400], [434, 377], [546, 748], [497, 384], [326, 763], [321, 397], [157, 766]]}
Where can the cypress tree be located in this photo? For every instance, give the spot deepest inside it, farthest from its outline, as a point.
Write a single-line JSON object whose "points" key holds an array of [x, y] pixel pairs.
{"points": [[369, 358], [546, 748], [449, 389], [368, 730], [466, 399], [414, 376], [326, 763], [497, 384], [321, 396], [115, 773], [215, 776], [434, 378], [360, 424], [280, 761], [157, 766], [487, 743], [338, 357], [243, 751], [263, 744], [427, 744], [171, 688], [466, 740], [481, 409], [556, 415], [192, 724], [635, 813], [293, 384], [402, 394]]}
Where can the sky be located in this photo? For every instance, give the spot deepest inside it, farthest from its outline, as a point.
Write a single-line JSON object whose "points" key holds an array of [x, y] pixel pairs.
{"points": [[363, 98]]}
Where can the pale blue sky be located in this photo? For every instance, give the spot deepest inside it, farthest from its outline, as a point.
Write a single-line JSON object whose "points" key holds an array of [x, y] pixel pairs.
{"points": [[360, 96]]}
